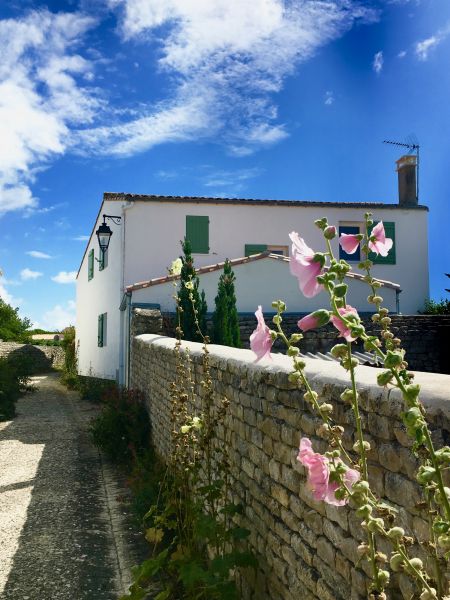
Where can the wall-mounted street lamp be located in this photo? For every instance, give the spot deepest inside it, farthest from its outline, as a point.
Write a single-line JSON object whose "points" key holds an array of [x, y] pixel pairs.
{"points": [[104, 232]]}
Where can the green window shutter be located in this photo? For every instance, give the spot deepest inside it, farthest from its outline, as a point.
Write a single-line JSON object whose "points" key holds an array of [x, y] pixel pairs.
{"points": [[91, 264], [254, 249], [100, 331], [389, 229], [197, 232]]}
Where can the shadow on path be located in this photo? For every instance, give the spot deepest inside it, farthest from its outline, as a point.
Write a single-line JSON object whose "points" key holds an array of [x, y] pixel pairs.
{"points": [[56, 541]]}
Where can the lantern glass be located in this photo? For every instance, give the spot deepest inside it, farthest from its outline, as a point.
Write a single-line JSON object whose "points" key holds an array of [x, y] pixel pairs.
{"points": [[104, 234]]}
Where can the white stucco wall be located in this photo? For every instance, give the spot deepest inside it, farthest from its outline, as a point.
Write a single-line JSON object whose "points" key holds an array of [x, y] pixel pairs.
{"points": [[154, 230], [102, 294], [261, 282]]}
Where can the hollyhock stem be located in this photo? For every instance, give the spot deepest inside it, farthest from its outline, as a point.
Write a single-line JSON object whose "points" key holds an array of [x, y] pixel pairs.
{"points": [[325, 418]]}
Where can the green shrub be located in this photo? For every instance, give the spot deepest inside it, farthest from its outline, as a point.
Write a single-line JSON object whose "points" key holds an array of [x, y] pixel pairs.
{"points": [[145, 482], [15, 371], [70, 368], [94, 389], [436, 308], [185, 304], [225, 318], [122, 429]]}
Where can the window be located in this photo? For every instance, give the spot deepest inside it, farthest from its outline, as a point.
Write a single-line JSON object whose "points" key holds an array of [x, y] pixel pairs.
{"points": [[197, 232], [356, 256], [280, 250], [389, 229], [102, 326], [102, 260], [255, 249], [91, 264]]}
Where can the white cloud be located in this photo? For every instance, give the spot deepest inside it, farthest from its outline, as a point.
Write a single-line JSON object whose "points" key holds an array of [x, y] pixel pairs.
{"points": [[329, 98], [7, 297], [228, 58], [81, 238], [378, 62], [26, 274], [59, 317], [232, 179], [38, 254], [65, 277], [402, 54], [39, 97], [423, 48]]}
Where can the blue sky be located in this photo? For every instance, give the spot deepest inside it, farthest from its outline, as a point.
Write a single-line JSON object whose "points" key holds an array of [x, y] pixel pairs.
{"points": [[253, 98]]}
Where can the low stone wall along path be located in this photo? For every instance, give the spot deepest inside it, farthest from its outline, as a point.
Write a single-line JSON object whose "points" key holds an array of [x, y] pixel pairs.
{"points": [[64, 535]]}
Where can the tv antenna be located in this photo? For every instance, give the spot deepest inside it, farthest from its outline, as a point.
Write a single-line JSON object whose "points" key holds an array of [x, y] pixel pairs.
{"points": [[412, 143]]}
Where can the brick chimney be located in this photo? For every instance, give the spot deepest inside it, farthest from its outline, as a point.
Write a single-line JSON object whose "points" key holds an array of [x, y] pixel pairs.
{"points": [[407, 191]]}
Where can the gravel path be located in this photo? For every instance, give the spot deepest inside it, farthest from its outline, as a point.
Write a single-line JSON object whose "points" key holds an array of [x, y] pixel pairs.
{"points": [[64, 532]]}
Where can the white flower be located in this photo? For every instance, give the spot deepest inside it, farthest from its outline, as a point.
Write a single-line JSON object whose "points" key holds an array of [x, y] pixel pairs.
{"points": [[175, 269], [185, 428], [189, 285], [197, 423]]}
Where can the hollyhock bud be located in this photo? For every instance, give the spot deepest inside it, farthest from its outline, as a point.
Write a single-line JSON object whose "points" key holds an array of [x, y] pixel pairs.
{"points": [[396, 533], [393, 359], [339, 351], [342, 327], [396, 562], [430, 594], [384, 377], [314, 320], [329, 232], [425, 474]]}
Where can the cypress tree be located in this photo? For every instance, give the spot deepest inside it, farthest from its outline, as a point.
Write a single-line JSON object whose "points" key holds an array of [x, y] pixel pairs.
{"points": [[188, 276], [225, 318]]}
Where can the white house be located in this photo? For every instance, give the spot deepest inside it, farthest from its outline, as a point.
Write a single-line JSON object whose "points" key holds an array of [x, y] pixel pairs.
{"points": [[147, 240]]}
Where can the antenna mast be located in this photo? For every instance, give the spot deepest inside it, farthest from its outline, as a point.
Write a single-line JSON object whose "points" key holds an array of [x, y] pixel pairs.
{"points": [[412, 147]]}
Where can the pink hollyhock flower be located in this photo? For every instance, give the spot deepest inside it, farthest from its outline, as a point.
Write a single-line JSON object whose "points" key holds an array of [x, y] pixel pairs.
{"points": [[319, 474], [349, 242], [304, 267], [341, 326], [316, 319], [261, 340], [378, 241]]}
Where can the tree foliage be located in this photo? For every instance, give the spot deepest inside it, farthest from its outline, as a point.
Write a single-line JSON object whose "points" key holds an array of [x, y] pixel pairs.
{"points": [[189, 285], [12, 326], [225, 318]]}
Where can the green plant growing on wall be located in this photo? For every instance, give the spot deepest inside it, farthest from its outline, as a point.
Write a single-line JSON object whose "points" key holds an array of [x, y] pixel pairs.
{"points": [[186, 308], [197, 541], [225, 318]]}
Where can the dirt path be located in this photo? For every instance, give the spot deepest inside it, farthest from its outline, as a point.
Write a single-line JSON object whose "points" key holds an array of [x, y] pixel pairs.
{"points": [[63, 533]]}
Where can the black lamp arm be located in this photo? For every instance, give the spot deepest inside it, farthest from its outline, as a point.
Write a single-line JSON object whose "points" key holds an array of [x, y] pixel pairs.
{"points": [[114, 218]]}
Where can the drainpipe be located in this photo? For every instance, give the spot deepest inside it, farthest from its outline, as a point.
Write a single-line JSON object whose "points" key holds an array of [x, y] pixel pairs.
{"points": [[397, 301], [123, 325]]}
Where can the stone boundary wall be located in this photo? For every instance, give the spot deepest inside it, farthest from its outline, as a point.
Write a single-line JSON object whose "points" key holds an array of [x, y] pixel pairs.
{"points": [[305, 549], [43, 358], [426, 338]]}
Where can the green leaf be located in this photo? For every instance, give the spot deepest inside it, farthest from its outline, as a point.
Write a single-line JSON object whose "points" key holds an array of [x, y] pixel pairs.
{"points": [[239, 533], [192, 573], [206, 526], [163, 595]]}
